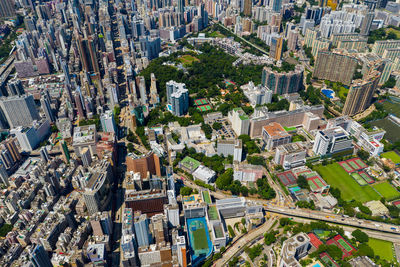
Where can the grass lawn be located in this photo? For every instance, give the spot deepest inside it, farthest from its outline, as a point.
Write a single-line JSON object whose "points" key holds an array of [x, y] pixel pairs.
{"points": [[392, 107], [200, 239], [387, 30], [391, 155], [216, 34], [387, 190], [187, 60], [337, 177], [343, 92], [382, 248]]}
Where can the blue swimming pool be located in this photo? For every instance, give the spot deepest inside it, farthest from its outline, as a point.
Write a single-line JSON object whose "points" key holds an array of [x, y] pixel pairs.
{"points": [[201, 246], [317, 265], [328, 93]]}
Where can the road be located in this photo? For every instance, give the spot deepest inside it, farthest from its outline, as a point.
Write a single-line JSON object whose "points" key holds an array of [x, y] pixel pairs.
{"points": [[244, 241], [383, 228], [244, 40]]}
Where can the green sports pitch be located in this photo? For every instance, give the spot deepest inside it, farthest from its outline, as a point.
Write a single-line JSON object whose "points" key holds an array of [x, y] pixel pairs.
{"points": [[337, 177], [387, 190], [392, 156]]}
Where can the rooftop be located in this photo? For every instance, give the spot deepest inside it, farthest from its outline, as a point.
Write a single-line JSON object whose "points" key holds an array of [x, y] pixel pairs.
{"points": [[275, 129]]}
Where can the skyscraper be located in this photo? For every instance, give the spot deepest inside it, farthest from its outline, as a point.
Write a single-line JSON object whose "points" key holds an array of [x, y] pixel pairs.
{"points": [[45, 103], [141, 223], [7, 8], [366, 23], [247, 7], [142, 89], [108, 122], [154, 98], [79, 105], [19, 110], [40, 258], [360, 94], [3, 175]]}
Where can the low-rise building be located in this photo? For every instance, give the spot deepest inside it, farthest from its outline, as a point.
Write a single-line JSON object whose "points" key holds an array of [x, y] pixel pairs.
{"points": [[275, 135], [290, 155], [230, 147], [204, 174]]}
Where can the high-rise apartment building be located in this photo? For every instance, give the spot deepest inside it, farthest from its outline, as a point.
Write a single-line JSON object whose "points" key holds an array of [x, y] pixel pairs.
{"points": [[335, 67], [178, 98], [7, 8], [19, 110], [360, 94], [247, 7], [154, 98], [142, 89], [366, 23], [281, 82], [275, 51]]}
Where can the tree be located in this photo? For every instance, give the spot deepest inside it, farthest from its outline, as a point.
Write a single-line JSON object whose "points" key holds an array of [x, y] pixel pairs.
{"points": [[335, 252], [54, 128], [217, 126], [270, 238], [130, 147], [186, 191], [390, 83], [364, 155], [207, 130], [360, 236], [225, 180], [302, 182], [365, 250]]}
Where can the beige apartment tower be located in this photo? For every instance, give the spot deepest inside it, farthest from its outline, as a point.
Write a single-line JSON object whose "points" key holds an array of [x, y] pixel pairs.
{"points": [[360, 94], [335, 67]]}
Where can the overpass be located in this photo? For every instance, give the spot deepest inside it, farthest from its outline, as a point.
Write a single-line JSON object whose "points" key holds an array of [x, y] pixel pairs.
{"points": [[392, 229]]}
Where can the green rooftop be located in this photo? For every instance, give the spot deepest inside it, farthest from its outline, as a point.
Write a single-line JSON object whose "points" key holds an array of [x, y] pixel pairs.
{"points": [[243, 117], [206, 197], [212, 213], [190, 163]]}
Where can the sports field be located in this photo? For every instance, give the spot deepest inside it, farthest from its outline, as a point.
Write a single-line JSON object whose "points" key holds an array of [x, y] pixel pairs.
{"points": [[337, 177], [206, 197], [201, 101], [392, 156], [199, 238], [366, 177], [382, 248], [204, 107], [358, 179], [387, 190], [188, 60]]}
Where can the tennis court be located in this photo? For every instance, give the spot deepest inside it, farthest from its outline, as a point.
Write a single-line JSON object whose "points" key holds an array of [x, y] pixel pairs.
{"points": [[366, 177], [287, 178], [346, 166], [341, 243], [328, 261], [201, 101], [203, 108], [358, 178]]}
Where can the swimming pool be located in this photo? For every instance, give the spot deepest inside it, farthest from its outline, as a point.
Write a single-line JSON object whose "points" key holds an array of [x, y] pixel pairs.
{"points": [[317, 265], [328, 93]]}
